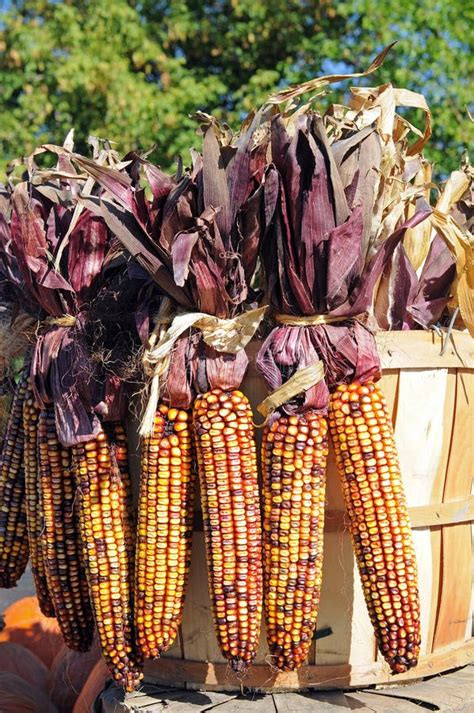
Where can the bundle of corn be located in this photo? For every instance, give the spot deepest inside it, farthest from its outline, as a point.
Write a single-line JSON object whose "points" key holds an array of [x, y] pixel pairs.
{"points": [[64, 257], [206, 238], [441, 252], [418, 283], [166, 495], [325, 246], [405, 300]]}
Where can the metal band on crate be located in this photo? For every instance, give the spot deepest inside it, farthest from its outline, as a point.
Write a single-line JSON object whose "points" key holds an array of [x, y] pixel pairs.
{"points": [[224, 335], [301, 381]]}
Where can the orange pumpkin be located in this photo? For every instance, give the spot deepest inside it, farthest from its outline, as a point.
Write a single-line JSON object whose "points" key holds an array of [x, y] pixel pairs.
{"points": [[24, 663], [68, 674], [17, 696], [26, 625], [92, 689]]}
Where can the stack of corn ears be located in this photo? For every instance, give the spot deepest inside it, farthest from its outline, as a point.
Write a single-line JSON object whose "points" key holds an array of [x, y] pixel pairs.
{"points": [[64, 469], [206, 240], [327, 221]]}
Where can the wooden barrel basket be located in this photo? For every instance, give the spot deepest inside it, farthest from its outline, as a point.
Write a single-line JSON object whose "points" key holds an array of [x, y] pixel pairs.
{"points": [[432, 401]]}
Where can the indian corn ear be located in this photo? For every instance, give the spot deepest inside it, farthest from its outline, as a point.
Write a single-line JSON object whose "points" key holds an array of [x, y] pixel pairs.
{"points": [[34, 506], [117, 436], [367, 460], [61, 550], [165, 530], [294, 457], [13, 534], [227, 468], [104, 524]]}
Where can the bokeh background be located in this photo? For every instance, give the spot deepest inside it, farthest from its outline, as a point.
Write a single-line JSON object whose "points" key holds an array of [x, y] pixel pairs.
{"points": [[134, 71]]}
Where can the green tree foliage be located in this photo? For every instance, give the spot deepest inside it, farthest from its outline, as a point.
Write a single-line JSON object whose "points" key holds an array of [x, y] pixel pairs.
{"points": [[136, 69]]}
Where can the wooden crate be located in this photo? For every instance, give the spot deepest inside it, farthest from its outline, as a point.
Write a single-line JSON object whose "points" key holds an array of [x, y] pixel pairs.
{"points": [[432, 402]]}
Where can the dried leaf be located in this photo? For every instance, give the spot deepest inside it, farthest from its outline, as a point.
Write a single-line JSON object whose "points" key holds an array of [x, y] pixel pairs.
{"points": [[313, 85]]}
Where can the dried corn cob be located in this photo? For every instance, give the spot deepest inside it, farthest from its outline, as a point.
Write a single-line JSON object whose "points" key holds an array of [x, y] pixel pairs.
{"points": [[117, 437], [294, 457], [229, 494], [103, 522], [64, 573], [13, 534], [34, 511], [165, 530], [367, 461]]}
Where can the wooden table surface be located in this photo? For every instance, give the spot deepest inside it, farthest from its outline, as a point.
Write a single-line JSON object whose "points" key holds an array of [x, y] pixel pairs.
{"points": [[449, 693]]}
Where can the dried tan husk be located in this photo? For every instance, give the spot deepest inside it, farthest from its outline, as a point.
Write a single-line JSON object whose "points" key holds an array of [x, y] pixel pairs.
{"points": [[224, 335], [461, 243], [418, 239]]}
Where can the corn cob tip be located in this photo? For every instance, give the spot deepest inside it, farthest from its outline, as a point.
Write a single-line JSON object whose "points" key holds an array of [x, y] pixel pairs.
{"points": [[239, 666], [130, 680], [401, 665]]}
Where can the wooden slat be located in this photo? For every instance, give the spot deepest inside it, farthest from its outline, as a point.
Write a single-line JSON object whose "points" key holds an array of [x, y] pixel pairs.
{"points": [[455, 591], [389, 385], [439, 481], [415, 349], [335, 676], [419, 433], [421, 516], [435, 533], [199, 639], [456, 548], [336, 607], [419, 436], [421, 350], [448, 513], [259, 705], [297, 703], [461, 458], [437, 492]]}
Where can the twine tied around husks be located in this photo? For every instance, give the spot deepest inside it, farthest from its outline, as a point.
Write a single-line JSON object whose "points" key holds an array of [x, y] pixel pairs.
{"points": [[224, 335], [310, 320], [304, 378]]}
